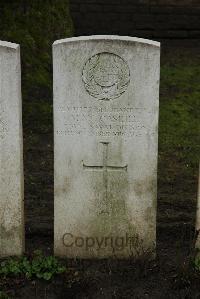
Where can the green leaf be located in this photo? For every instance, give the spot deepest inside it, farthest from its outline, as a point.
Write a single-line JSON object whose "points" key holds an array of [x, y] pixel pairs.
{"points": [[47, 275]]}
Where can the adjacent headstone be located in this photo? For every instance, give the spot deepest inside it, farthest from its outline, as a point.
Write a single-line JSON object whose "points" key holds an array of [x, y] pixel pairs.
{"points": [[198, 215], [11, 165], [106, 102]]}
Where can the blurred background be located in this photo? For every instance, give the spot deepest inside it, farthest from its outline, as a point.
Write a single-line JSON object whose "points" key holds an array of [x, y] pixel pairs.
{"points": [[156, 19]]}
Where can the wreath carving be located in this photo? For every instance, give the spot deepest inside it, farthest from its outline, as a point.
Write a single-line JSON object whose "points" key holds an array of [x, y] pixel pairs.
{"points": [[106, 76]]}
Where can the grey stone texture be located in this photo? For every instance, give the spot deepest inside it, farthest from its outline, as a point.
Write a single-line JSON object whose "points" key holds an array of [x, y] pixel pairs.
{"points": [[11, 155], [106, 101]]}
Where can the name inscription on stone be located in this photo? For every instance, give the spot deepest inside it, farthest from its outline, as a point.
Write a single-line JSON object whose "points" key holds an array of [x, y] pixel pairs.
{"points": [[104, 122]]}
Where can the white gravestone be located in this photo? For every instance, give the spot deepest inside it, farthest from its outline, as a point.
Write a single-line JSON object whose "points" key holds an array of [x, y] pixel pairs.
{"points": [[198, 215], [11, 159], [106, 102]]}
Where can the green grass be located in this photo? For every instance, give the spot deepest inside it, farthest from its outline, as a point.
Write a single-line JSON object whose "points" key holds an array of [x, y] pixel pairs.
{"points": [[179, 126]]}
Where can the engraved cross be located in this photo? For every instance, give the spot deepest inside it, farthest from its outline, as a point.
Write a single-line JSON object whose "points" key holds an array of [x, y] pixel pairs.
{"points": [[105, 168]]}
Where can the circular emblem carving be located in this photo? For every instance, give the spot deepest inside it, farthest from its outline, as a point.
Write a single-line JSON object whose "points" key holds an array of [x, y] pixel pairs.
{"points": [[106, 76]]}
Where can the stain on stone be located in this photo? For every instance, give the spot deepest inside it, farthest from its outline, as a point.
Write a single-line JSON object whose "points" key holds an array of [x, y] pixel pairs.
{"points": [[145, 186]]}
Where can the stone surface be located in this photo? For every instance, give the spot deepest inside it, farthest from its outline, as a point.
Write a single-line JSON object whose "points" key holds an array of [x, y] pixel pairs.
{"points": [[106, 101], [198, 215], [11, 158]]}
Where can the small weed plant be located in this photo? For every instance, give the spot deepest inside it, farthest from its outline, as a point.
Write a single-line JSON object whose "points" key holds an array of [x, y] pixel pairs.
{"points": [[39, 266]]}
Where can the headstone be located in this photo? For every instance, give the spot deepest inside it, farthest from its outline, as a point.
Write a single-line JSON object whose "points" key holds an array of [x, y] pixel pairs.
{"points": [[198, 216], [106, 102], [11, 159]]}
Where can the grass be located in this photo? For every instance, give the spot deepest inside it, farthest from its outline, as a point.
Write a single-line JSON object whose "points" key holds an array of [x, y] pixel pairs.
{"points": [[179, 126]]}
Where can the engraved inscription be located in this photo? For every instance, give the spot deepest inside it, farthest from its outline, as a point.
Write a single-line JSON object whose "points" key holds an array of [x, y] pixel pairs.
{"points": [[105, 168], [106, 76], [104, 121]]}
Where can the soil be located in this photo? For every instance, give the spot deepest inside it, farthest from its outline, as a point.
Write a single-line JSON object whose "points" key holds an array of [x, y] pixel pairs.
{"points": [[169, 276]]}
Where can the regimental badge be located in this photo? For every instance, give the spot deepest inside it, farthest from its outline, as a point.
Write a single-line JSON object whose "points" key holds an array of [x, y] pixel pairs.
{"points": [[106, 76]]}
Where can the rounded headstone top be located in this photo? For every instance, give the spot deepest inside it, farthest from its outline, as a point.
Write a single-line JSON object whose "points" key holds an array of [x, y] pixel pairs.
{"points": [[9, 45], [108, 37]]}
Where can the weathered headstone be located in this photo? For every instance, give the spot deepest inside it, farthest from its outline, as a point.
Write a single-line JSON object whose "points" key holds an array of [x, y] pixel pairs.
{"points": [[198, 215], [11, 160], [106, 101]]}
